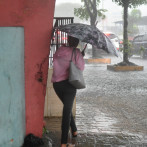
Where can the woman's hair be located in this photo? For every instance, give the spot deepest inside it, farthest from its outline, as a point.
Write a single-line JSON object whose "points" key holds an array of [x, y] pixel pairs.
{"points": [[72, 41]]}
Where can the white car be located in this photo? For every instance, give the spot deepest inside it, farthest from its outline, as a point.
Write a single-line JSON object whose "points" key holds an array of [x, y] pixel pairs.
{"points": [[114, 39]]}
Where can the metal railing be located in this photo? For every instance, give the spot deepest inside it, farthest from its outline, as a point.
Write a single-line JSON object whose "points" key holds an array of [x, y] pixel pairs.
{"points": [[58, 38]]}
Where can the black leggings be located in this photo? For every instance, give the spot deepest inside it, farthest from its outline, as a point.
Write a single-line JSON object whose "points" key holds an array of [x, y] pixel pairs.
{"points": [[66, 92]]}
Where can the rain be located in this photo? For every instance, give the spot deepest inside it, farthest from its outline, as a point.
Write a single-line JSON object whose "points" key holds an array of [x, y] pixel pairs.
{"points": [[112, 109]]}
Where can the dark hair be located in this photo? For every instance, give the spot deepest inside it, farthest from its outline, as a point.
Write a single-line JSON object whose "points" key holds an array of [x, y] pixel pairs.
{"points": [[72, 41]]}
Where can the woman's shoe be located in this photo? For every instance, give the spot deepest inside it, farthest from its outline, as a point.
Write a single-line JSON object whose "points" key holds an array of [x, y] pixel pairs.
{"points": [[64, 145]]}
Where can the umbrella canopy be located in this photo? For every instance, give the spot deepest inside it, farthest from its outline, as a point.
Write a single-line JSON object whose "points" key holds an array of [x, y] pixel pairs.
{"points": [[90, 34], [111, 48]]}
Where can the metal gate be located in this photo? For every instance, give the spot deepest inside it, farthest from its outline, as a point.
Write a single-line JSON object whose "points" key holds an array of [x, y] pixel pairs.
{"points": [[58, 38]]}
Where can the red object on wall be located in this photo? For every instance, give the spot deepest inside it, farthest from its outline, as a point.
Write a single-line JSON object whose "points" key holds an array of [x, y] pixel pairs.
{"points": [[36, 16]]}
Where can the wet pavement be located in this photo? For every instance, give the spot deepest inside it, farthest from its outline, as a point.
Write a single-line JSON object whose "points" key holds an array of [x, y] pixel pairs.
{"points": [[111, 111]]}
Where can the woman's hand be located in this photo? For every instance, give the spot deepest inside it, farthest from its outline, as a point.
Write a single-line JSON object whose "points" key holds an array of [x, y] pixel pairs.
{"points": [[83, 53]]}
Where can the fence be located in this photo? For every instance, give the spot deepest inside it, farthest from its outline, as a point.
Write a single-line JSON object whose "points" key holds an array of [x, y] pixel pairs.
{"points": [[58, 38]]}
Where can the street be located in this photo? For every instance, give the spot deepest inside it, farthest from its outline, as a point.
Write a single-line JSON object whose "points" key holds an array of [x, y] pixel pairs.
{"points": [[112, 110], [114, 102]]}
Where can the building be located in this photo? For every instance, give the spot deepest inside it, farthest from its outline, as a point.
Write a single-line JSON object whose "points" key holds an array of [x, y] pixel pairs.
{"points": [[25, 34]]}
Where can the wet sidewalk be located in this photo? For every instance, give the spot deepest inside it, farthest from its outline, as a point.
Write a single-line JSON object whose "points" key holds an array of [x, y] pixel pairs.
{"points": [[110, 112], [96, 134]]}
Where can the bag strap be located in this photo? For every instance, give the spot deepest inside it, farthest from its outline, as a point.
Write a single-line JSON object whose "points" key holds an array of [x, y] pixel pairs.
{"points": [[73, 52]]}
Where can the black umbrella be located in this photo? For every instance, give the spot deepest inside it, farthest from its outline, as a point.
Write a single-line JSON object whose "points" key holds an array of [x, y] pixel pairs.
{"points": [[90, 34]]}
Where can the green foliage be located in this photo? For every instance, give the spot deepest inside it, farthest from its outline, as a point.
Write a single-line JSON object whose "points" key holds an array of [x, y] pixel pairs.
{"points": [[81, 12], [101, 13], [45, 131], [89, 10], [133, 19], [129, 46], [127, 4], [135, 14], [132, 3]]}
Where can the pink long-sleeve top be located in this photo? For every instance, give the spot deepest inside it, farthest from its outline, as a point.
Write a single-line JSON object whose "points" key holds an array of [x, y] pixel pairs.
{"points": [[61, 62]]}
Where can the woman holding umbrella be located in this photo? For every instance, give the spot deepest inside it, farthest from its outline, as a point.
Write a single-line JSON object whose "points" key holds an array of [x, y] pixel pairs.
{"points": [[65, 91]]}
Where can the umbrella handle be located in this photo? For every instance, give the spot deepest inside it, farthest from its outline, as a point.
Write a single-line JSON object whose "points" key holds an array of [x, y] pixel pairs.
{"points": [[84, 48], [83, 51]]}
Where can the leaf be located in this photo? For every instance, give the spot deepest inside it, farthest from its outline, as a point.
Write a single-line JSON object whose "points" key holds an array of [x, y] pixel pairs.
{"points": [[87, 10]]}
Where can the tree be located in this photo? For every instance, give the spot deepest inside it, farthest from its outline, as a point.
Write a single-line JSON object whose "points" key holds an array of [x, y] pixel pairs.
{"points": [[90, 11], [134, 17], [127, 4]]}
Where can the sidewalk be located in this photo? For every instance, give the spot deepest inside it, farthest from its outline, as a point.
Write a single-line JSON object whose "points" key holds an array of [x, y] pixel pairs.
{"points": [[110, 112], [93, 138]]}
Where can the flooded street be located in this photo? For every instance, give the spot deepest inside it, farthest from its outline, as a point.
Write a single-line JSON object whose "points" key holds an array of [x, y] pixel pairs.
{"points": [[114, 102], [111, 111]]}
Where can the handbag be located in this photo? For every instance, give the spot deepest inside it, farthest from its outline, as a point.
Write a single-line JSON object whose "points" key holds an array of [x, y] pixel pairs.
{"points": [[75, 74]]}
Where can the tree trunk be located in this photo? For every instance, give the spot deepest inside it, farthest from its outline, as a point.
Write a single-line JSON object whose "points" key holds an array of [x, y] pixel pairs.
{"points": [[93, 18], [125, 33], [93, 15], [92, 21]]}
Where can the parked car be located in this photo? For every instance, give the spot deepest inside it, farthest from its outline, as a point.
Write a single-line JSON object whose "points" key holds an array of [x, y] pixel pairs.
{"points": [[121, 45], [139, 46], [114, 38]]}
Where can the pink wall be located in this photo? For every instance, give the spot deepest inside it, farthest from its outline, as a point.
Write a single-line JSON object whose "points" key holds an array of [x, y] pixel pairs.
{"points": [[36, 16]]}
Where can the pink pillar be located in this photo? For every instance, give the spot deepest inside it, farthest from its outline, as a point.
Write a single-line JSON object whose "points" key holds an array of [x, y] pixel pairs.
{"points": [[36, 16]]}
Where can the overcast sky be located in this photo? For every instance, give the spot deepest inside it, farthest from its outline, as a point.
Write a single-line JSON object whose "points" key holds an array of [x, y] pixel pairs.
{"points": [[107, 4], [113, 14]]}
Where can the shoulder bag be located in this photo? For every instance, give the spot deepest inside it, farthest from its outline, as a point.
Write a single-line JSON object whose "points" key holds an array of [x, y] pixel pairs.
{"points": [[75, 74]]}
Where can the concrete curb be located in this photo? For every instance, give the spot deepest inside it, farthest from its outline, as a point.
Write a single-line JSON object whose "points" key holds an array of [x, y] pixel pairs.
{"points": [[98, 60], [124, 68]]}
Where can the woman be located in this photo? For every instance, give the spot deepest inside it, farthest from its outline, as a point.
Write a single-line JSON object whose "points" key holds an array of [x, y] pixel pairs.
{"points": [[65, 91]]}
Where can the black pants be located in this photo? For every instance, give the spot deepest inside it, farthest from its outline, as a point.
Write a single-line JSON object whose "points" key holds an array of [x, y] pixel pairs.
{"points": [[66, 92]]}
